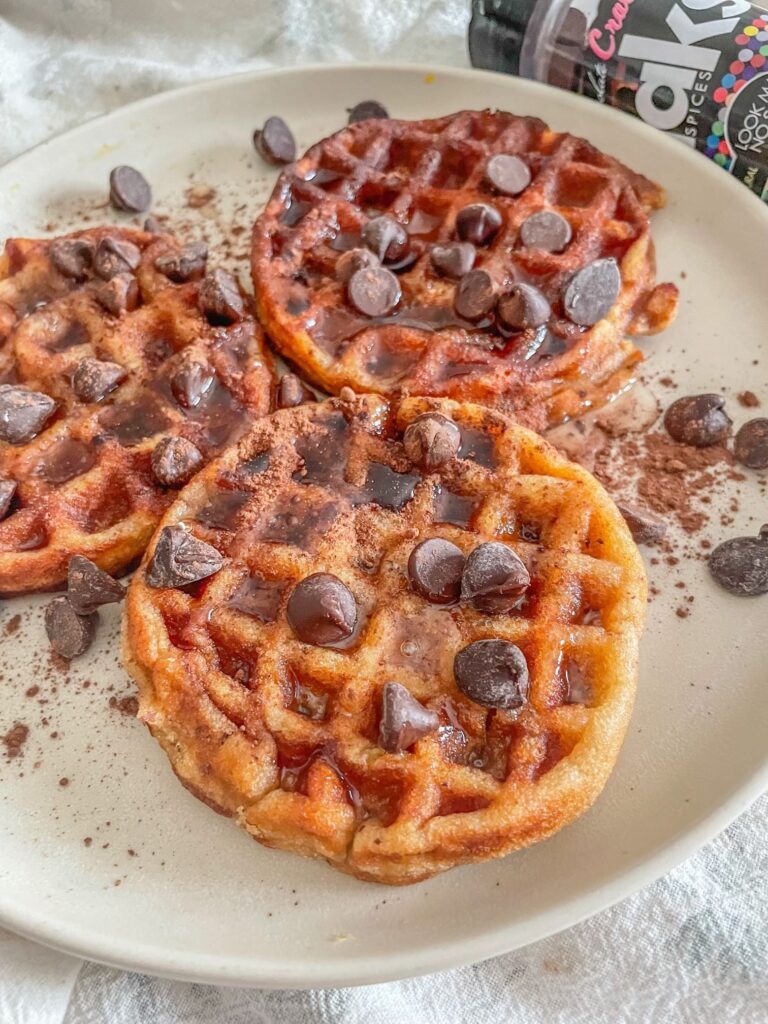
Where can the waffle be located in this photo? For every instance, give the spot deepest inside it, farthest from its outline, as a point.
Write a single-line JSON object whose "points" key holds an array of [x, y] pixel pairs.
{"points": [[84, 483], [423, 173], [284, 735]]}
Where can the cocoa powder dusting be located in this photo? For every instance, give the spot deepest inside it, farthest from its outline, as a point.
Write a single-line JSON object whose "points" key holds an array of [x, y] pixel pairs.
{"points": [[128, 706], [14, 740], [12, 625]]}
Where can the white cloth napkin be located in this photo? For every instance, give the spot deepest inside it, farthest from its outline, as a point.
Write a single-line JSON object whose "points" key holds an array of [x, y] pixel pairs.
{"points": [[691, 948]]}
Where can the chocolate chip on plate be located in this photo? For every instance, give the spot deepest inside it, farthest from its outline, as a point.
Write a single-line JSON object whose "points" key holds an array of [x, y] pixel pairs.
{"points": [[404, 720], [508, 174], [115, 256], [220, 299], [546, 230], [152, 225], [434, 570], [431, 440], [275, 142], [191, 382], [454, 259], [645, 527], [386, 238], [175, 460], [740, 565], [373, 291], [698, 420], [70, 634], [493, 673], [94, 379], [7, 492], [89, 587], [119, 295], [322, 610], [72, 256], [179, 559], [366, 110], [23, 413], [524, 306], [750, 445], [478, 223], [495, 579], [592, 291], [475, 295], [129, 190], [352, 260], [184, 264], [292, 392]]}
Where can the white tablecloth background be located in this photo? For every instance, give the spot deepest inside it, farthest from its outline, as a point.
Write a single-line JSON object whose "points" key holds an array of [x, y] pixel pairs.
{"points": [[693, 948]]}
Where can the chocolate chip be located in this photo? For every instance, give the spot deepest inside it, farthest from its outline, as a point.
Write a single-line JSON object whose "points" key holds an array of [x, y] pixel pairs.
{"points": [[403, 719], [94, 379], [7, 492], [524, 306], [495, 579], [23, 413], [740, 565], [367, 110], [386, 238], [698, 420], [185, 264], [493, 673], [191, 382], [373, 291], [475, 295], [275, 142], [454, 259], [292, 392], [322, 610], [592, 291], [352, 260], [546, 230], [119, 295], [508, 174], [431, 440], [89, 587], [220, 299], [750, 445], [153, 226], [129, 190], [434, 570], [115, 256], [175, 460], [179, 559], [645, 527], [70, 634], [72, 256], [478, 223]]}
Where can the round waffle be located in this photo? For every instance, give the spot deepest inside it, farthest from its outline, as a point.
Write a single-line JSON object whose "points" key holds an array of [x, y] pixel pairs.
{"points": [[103, 357], [294, 737], [423, 174]]}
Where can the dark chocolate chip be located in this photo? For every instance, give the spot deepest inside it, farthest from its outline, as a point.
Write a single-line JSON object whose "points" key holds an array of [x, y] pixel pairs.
{"points": [[175, 460], [495, 579], [454, 259], [7, 493], [94, 379], [352, 260], [434, 570], [373, 291], [475, 295], [129, 190], [185, 264], [89, 587], [179, 559], [493, 673], [645, 527], [153, 226], [698, 420], [220, 299], [386, 238], [750, 445], [115, 256], [70, 634], [292, 392], [191, 382], [403, 719], [72, 256], [524, 306], [366, 110], [740, 565], [478, 223], [119, 295], [322, 610], [275, 142], [431, 440], [592, 291], [546, 230], [508, 174], [23, 413]]}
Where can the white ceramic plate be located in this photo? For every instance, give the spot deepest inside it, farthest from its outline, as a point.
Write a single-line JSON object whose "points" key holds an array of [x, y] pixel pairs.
{"points": [[196, 897]]}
